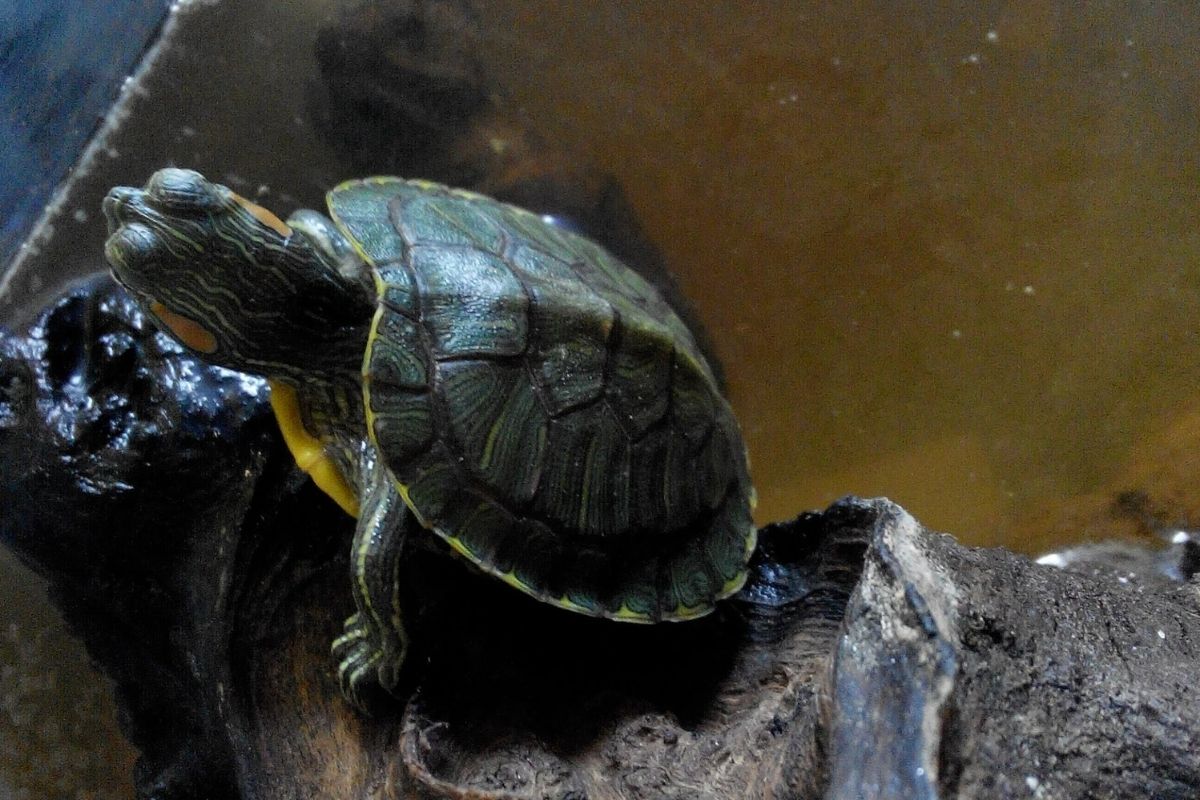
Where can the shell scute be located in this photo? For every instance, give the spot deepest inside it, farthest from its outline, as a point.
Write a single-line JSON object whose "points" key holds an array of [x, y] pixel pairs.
{"points": [[431, 483], [482, 527], [731, 543], [471, 303], [398, 290], [648, 477], [404, 421], [397, 357], [569, 345], [639, 375], [541, 407], [584, 486], [530, 228], [497, 423], [536, 265], [693, 404], [360, 209], [437, 218]]}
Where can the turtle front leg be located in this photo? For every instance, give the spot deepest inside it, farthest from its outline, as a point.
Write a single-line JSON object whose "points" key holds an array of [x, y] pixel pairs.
{"points": [[371, 650]]}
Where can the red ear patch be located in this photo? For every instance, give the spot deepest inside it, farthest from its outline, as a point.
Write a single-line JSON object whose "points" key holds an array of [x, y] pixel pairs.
{"points": [[263, 215], [188, 331]]}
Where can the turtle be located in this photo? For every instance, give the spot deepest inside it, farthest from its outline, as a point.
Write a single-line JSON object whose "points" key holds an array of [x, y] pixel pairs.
{"points": [[442, 361]]}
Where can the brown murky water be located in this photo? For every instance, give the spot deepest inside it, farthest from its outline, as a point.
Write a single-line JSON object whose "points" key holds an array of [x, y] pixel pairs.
{"points": [[949, 254]]}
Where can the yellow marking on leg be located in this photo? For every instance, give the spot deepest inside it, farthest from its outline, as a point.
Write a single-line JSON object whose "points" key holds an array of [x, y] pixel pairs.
{"points": [[308, 450], [370, 662], [346, 638], [360, 570]]}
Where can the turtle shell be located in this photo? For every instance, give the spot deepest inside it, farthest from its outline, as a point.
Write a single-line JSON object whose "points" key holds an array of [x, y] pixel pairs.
{"points": [[541, 407]]}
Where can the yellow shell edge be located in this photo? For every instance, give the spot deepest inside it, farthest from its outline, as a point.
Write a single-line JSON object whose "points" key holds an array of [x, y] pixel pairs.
{"points": [[307, 449]]}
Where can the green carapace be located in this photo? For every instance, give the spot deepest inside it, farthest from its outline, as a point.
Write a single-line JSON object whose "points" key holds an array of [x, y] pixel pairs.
{"points": [[443, 362]]}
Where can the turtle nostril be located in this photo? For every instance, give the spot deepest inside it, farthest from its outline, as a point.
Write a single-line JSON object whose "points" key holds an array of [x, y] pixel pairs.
{"points": [[112, 210], [122, 204]]}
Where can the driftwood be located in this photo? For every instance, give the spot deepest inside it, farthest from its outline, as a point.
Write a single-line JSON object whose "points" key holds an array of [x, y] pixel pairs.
{"points": [[866, 658]]}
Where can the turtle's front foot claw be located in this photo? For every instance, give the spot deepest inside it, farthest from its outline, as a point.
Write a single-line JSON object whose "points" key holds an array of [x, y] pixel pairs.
{"points": [[366, 661]]}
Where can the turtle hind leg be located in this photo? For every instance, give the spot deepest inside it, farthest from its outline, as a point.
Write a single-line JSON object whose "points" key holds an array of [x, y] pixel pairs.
{"points": [[371, 651], [357, 656]]}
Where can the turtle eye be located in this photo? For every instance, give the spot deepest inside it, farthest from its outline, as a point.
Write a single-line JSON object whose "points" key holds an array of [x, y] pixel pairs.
{"points": [[182, 191], [129, 244]]}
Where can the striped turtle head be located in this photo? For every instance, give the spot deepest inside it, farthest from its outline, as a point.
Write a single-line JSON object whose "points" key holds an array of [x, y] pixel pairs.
{"points": [[233, 282]]}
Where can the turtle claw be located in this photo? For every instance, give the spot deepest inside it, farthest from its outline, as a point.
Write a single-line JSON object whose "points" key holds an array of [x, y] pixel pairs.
{"points": [[368, 661], [356, 657]]}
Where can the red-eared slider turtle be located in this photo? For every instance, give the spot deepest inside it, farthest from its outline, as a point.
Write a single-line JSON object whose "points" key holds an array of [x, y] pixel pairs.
{"points": [[440, 358]]}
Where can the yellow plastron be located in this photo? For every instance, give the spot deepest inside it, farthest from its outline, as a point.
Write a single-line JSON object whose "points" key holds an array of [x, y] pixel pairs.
{"points": [[308, 451]]}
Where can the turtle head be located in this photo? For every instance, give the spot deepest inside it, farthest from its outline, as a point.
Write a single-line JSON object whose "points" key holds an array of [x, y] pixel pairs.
{"points": [[232, 281]]}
